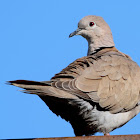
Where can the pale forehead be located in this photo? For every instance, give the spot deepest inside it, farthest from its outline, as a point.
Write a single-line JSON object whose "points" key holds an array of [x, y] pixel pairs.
{"points": [[87, 19]]}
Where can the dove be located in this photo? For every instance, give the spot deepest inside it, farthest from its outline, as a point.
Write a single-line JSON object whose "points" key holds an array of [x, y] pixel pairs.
{"points": [[96, 93]]}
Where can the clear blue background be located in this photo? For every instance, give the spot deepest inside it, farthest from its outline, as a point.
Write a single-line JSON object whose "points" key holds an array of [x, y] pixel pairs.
{"points": [[34, 45]]}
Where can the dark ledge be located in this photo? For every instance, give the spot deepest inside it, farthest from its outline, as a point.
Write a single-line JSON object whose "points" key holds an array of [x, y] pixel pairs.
{"points": [[113, 137]]}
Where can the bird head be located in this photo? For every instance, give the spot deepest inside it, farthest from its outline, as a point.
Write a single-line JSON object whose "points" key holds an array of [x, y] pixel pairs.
{"points": [[91, 26]]}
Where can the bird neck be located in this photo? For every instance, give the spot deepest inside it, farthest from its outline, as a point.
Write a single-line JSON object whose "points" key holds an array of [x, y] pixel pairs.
{"points": [[99, 42]]}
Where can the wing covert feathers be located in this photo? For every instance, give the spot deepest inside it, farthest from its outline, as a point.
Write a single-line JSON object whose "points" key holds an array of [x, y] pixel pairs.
{"points": [[111, 79], [107, 77]]}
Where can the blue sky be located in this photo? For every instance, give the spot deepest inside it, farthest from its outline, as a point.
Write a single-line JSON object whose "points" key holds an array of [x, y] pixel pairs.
{"points": [[34, 45]]}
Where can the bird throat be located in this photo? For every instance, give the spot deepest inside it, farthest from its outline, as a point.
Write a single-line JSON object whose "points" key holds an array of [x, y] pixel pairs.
{"points": [[99, 43]]}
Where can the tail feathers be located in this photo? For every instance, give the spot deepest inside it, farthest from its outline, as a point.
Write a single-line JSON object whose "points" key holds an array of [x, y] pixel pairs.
{"points": [[41, 89], [26, 82]]}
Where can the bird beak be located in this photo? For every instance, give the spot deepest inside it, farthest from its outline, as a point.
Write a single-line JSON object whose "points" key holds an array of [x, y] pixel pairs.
{"points": [[76, 32]]}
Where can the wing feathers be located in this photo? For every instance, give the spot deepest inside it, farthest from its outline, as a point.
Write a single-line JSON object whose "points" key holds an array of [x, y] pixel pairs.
{"points": [[42, 89], [108, 78]]}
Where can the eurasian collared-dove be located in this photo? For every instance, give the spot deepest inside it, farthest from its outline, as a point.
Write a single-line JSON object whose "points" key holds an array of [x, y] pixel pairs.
{"points": [[96, 93]]}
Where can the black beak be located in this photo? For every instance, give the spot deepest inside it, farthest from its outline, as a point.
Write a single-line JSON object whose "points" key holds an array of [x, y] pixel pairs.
{"points": [[75, 32]]}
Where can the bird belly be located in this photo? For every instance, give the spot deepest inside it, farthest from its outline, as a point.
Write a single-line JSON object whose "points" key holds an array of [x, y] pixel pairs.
{"points": [[102, 121], [107, 121]]}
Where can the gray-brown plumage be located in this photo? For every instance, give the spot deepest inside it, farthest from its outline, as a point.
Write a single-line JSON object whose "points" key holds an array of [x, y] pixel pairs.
{"points": [[96, 93]]}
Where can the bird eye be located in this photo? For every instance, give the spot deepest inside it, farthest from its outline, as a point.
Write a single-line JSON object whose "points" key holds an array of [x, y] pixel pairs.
{"points": [[91, 24]]}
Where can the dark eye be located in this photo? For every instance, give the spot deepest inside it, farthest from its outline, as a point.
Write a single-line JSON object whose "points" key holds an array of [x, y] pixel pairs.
{"points": [[91, 24]]}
